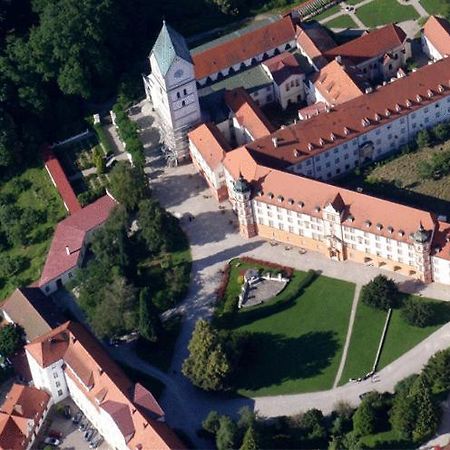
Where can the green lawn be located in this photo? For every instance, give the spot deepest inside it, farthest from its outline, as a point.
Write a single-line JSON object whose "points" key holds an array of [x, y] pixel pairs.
{"points": [[382, 12], [32, 189], [344, 21], [385, 439], [367, 329], [402, 337], [436, 6], [296, 344], [327, 13]]}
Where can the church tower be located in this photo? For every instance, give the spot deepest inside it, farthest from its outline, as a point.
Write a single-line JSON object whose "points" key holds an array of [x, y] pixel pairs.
{"points": [[172, 90]]}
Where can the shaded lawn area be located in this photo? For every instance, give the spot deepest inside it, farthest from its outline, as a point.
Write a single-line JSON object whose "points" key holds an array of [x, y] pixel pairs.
{"points": [[32, 189], [344, 21], [402, 337], [367, 329], [297, 346], [435, 6], [381, 12], [385, 439]]}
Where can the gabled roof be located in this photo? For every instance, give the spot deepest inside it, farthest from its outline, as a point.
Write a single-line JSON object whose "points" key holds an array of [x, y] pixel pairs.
{"points": [[339, 83], [282, 66], [244, 47], [437, 31], [248, 113], [314, 41], [69, 237], [305, 195], [134, 410], [308, 138], [210, 141], [369, 45], [168, 46], [59, 177], [21, 410], [33, 311]]}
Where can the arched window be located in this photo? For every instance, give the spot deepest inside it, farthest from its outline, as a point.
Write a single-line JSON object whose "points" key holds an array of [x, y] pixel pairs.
{"points": [[183, 103], [178, 95]]}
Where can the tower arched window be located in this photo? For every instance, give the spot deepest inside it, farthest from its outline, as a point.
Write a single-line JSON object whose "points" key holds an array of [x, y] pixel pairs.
{"points": [[185, 91], [178, 95], [183, 103]]}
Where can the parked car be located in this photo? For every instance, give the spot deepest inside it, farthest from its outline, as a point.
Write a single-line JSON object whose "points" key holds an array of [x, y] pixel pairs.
{"points": [[96, 443], [88, 434], [77, 417], [93, 436], [52, 441], [67, 412]]}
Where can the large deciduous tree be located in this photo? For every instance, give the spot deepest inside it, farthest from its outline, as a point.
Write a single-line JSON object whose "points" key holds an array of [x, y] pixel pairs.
{"points": [[11, 339], [380, 293]]}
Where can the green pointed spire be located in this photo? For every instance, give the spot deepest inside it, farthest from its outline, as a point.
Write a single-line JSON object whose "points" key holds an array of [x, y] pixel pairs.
{"points": [[169, 45]]}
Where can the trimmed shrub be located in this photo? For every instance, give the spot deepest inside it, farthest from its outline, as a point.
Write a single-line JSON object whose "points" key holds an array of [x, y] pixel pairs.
{"points": [[418, 313]]}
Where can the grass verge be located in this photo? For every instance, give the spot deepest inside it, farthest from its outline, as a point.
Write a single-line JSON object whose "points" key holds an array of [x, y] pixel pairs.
{"points": [[382, 12]]}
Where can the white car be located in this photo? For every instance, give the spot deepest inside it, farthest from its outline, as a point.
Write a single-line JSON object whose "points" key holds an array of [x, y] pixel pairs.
{"points": [[52, 441]]}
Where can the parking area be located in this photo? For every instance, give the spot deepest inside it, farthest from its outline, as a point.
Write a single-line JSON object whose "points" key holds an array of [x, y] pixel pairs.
{"points": [[68, 433]]}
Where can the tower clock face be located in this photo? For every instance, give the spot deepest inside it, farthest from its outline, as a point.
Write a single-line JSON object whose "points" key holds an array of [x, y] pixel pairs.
{"points": [[178, 73]]}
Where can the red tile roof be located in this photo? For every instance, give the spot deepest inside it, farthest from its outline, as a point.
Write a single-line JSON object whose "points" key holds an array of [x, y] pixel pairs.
{"points": [[344, 122], [248, 113], [437, 31], [372, 44], [21, 411], [282, 66], [314, 41], [287, 190], [312, 110], [58, 176], [69, 237], [244, 47], [339, 83], [133, 408], [208, 139]]}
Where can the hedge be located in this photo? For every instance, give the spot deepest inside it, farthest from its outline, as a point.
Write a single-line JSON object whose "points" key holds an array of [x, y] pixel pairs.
{"points": [[103, 139], [287, 271]]}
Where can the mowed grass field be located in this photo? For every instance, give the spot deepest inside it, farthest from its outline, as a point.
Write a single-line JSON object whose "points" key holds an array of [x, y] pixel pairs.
{"points": [[436, 6], [382, 12], [400, 337], [32, 189], [297, 346], [344, 21]]}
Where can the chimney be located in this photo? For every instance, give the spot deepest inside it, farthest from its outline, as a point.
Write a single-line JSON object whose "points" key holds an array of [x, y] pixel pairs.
{"points": [[368, 90], [338, 59], [18, 408], [275, 141], [67, 250]]}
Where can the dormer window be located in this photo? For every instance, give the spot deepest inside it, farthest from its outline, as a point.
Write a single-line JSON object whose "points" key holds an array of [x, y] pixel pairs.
{"points": [[440, 88], [321, 142], [418, 98], [390, 229], [350, 218], [270, 195], [408, 103], [296, 153], [377, 117], [280, 198], [290, 201], [368, 223], [430, 93], [310, 146], [398, 108], [379, 226], [346, 131], [401, 233], [300, 204], [332, 136], [317, 209], [387, 113], [365, 122]]}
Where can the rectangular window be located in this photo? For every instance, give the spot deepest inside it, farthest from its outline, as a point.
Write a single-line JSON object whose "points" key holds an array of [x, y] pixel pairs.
{"points": [[60, 393], [55, 375]]}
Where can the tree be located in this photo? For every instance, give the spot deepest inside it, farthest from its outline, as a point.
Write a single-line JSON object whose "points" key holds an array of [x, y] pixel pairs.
{"points": [[424, 138], [149, 322], [151, 219], [380, 293], [9, 143], [247, 418], [437, 372], [427, 420], [442, 131], [212, 422], [11, 339], [128, 185], [226, 434], [403, 414], [10, 266], [418, 313], [312, 424], [115, 311], [364, 419], [207, 365], [250, 441]]}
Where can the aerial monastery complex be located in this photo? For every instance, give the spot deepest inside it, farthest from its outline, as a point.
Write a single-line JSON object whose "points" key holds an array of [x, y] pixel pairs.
{"points": [[361, 106]]}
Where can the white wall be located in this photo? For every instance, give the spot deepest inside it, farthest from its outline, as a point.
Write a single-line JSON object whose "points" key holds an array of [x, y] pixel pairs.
{"points": [[430, 50]]}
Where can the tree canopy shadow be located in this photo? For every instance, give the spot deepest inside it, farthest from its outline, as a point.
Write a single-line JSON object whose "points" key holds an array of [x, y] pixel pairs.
{"points": [[441, 313], [271, 359]]}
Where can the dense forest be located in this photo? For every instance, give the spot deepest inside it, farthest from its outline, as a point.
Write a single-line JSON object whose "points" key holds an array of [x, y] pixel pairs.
{"points": [[62, 60]]}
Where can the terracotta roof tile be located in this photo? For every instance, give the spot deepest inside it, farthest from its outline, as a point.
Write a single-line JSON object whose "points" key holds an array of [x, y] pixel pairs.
{"points": [[312, 193], [56, 172], [372, 44], [244, 47], [339, 83], [344, 122], [132, 407], [248, 113], [437, 31], [282, 66], [210, 140], [314, 41], [69, 237]]}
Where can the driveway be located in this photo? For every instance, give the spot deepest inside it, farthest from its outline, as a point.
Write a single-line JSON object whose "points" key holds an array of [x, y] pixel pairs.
{"points": [[214, 241]]}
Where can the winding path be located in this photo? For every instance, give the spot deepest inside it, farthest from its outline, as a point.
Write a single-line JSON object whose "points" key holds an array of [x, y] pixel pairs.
{"points": [[214, 241]]}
